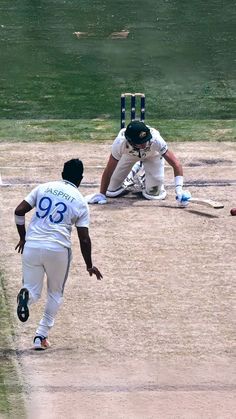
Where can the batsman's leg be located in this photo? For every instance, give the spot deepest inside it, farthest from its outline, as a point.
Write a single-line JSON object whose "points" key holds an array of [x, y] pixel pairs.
{"points": [[132, 175], [154, 178], [123, 168]]}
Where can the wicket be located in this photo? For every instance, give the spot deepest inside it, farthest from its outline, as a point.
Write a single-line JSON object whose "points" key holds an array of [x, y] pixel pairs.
{"points": [[133, 97]]}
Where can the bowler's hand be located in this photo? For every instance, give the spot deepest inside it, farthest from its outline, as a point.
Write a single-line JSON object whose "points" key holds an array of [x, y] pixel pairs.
{"points": [[95, 271], [20, 246]]}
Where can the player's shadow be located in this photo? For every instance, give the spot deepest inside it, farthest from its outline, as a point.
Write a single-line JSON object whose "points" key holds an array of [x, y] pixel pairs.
{"points": [[7, 353], [202, 213], [137, 200]]}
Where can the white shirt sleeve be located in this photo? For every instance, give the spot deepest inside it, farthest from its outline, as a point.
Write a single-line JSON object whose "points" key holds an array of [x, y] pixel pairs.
{"points": [[118, 145], [31, 198], [84, 218], [158, 142]]}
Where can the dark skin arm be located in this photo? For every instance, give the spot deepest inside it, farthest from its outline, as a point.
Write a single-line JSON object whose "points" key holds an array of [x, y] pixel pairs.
{"points": [[86, 247], [107, 174], [21, 210]]}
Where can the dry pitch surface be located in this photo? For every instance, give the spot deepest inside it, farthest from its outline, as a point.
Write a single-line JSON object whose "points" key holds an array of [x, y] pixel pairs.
{"points": [[154, 338]]}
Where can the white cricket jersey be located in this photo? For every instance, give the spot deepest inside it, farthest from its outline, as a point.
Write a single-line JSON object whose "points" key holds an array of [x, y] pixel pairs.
{"points": [[58, 206], [121, 146]]}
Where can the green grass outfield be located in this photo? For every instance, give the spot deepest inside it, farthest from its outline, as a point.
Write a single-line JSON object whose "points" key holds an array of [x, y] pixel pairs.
{"points": [[12, 130]]}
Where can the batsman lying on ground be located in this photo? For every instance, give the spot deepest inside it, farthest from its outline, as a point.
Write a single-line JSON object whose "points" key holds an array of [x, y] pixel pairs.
{"points": [[139, 148]]}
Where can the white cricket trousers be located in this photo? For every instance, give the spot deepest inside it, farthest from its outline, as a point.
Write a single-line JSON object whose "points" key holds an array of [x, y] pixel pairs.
{"points": [[153, 166], [36, 262]]}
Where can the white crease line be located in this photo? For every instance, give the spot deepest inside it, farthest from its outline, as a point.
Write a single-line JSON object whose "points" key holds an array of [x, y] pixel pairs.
{"points": [[103, 167], [93, 185], [44, 167]]}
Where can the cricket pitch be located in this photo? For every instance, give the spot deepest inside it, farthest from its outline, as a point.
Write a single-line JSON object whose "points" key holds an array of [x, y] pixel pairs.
{"points": [[154, 338]]}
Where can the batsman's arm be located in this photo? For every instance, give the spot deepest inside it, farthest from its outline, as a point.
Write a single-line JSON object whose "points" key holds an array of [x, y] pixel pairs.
{"points": [[173, 162], [86, 250], [107, 174], [181, 195]]}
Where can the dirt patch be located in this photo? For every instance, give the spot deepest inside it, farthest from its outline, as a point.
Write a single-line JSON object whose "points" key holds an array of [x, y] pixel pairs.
{"points": [[154, 338], [220, 132]]}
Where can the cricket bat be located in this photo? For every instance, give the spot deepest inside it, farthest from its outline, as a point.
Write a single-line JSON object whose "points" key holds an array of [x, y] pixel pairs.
{"points": [[207, 202]]}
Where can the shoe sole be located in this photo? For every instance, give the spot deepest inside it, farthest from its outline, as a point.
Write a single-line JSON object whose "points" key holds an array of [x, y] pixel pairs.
{"points": [[22, 305], [159, 197], [118, 193], [39, 348]]}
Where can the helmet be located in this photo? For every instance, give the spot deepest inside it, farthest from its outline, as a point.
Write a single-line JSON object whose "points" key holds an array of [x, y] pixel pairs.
{"points": [[137, 132]]}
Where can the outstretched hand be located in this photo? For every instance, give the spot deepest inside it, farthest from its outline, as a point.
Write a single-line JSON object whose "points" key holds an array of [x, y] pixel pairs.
{"points": [[97, 198], [95, 271], [20, 246]]}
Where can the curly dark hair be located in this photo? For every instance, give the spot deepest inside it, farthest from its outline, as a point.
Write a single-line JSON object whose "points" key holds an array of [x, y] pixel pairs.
{"points": [[73, 171]]}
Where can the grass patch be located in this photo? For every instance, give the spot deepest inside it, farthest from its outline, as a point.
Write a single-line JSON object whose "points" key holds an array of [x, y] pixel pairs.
{"points": [[105, 130], [11, 400]]}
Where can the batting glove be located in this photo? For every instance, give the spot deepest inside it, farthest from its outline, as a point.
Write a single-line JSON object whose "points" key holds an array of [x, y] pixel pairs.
{"points": [[97, 198], [183, 197]]}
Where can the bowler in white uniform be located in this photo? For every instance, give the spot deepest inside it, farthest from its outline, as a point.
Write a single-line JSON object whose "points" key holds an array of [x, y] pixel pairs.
{"points": [[46, 246]]}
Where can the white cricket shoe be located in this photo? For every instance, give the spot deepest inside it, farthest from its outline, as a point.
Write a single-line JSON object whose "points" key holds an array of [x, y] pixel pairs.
{"points": [[41, 343], [119, 192]]}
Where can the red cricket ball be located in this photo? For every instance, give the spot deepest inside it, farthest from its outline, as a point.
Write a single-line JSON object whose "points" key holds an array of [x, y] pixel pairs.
{"points": [[233, 211]]}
